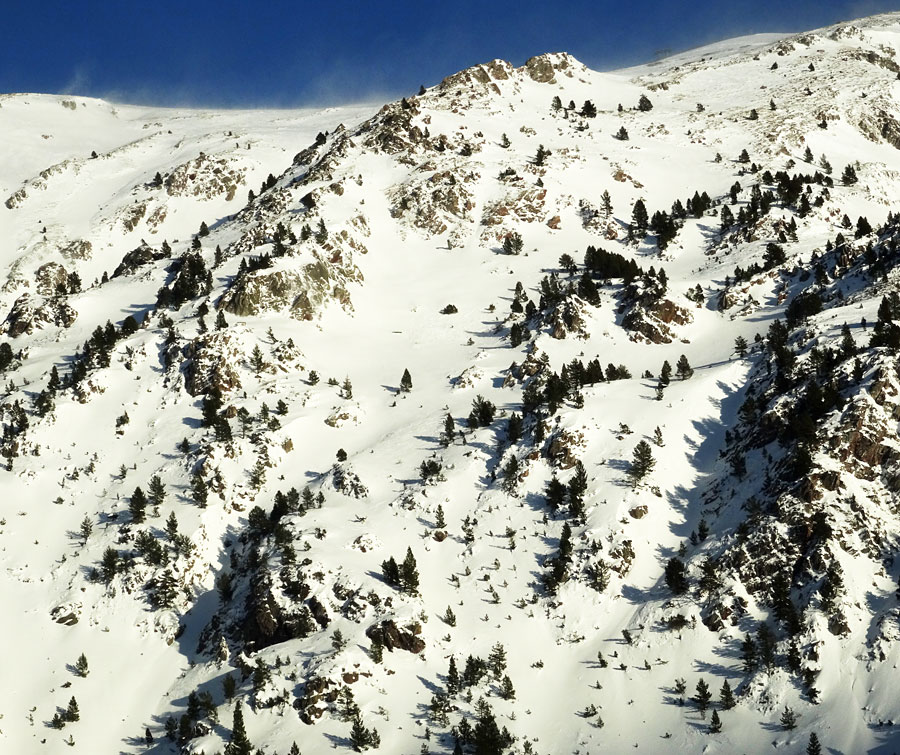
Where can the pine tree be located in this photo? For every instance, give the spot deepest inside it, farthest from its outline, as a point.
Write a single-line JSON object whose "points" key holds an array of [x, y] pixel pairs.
{"points": [[683, 368], [676, 576], [726, 696], [321, 232], [606, 202], [221, 322], [449, 430], [642, 462], [360, 736], [813, 748], [239, 744], [749, 655], [497, 660], [81, 665], [639, 220], [198, 490], [86, 528], [137, 505], [507, 691], [439, 521], [740, 346], [409, 574], [72, 713], [788, 719], [109, 565], [453, 682], [848, 177], [665, 374], [406, 382], [702, 697], [715, 723], [257, 361], [157, 491], [644, 104]]}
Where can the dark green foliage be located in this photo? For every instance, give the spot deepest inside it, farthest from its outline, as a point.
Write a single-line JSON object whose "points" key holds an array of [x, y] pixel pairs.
{"points": [[513, 243], [644, 104], [554, 493], [239, 743], [683, 368], [409, 574], [482, 413], [406, 382], [765, 642], [702, 697], [848, 177], [803, 306], [813, 748], [676, 576], [726, 696], [603, 264], [642, 462], [391, 572], [715, 723], [788, 719], [192, 279], [639, 220], [109, 565]]}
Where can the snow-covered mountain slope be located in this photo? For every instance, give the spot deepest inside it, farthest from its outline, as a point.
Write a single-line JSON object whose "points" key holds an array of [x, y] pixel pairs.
{"points": [[301, 408]]}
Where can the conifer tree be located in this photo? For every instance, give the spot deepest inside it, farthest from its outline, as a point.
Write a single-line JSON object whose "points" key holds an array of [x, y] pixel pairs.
{"points": [[749, 655], [702, 697], [788, 719], [726, 696], [157, 490], [606, 202], [715, 723], [683, 368], [239, 744], [137, 505], [665, 374], [453, 682], [109, 565], [86, 528], [81, 665], [642, 462], [72, 713], [813, 748], [257, 361], [497, 660], [406, 382], [409, 574], [198, 490], [676, 576]]}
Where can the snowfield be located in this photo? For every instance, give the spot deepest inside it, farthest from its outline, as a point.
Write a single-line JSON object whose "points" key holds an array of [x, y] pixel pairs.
{"points": [[230, 299]]}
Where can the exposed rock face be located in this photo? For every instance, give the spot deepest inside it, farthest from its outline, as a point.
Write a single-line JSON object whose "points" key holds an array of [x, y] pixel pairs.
{"points": [[303, 291], [204, 177], [389, 635], [646, 311], [212, 358], [30, 313], [142, 255], [543, 68], [79, 249], [564, 448], [50, 278]]}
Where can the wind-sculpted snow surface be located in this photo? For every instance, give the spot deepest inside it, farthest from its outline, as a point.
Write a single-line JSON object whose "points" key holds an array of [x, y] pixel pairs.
{"points": [[542, 411]]}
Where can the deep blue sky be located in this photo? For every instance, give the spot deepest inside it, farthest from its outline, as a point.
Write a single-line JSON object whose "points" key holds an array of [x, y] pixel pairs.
{"points": [[281, 53]]}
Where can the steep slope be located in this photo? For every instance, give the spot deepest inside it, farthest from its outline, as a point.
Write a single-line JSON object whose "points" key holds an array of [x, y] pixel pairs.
{"points": [[574, 528]]}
